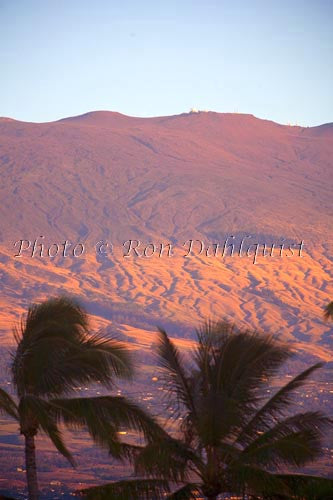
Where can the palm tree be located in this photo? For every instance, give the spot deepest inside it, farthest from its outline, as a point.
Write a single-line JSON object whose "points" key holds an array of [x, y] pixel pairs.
{"points": [[308, 487], [328, 311], [54, 354], [233, 434]]}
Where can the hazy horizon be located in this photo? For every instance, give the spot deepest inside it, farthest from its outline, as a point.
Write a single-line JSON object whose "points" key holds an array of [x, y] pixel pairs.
{"points": [[191, 111]]}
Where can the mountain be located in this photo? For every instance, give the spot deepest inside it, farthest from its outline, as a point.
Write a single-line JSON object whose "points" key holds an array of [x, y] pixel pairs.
{"points": [[216, 178]]}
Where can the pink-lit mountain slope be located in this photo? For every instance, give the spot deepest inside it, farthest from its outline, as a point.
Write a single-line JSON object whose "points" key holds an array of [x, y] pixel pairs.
{"points": [[106, 176]]}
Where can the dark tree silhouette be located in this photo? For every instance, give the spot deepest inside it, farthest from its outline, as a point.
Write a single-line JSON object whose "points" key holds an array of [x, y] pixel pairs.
{"points": [[233, 436], [55, 353]]}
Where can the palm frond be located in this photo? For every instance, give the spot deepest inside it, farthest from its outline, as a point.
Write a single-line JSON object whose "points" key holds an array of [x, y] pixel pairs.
{"points": [[51, 359], [175, 375], [232, 364], [228, 453], [274, 406], [34, 409], [293, 441], [38, 366], [46, 334], [101, 359], [211, 427], [307, 486], [61, 310], [296, 449], [168, 459], [236, 362], [130, 452], [189, 491], [95, 359], [245, 361], [211, 335], [104, 417], [254, 480], [328, 311], [8, 405], [140, 489]]}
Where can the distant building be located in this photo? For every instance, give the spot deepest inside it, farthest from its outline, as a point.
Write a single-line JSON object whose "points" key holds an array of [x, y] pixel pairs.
{"points": [[195, 110]]}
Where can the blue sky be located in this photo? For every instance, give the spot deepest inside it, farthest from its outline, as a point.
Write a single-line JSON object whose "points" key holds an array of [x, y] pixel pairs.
{"points": [[147, 58]]}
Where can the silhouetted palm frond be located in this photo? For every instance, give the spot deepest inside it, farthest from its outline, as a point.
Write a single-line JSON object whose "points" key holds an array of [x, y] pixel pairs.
{"points": [[8, 405], [35, 410], [328, 311], [230, 435], [55, 352], [275, 406], [104, 417]]}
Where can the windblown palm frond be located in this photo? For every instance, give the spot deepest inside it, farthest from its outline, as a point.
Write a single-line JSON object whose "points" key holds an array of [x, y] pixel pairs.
{"points": [[96, 359], [242, 361], [167, 458], [104, 417], [107, 356], [274, 407], [328, 311], [254, 481], [295, 440], [56, 353], [8, 405], [62, 311], [176, 378], [35, 411]]}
